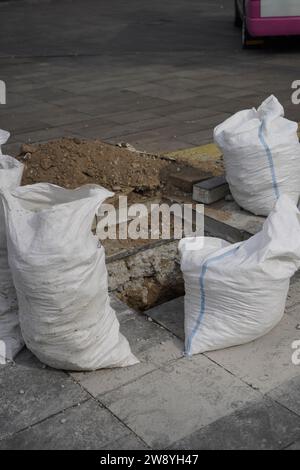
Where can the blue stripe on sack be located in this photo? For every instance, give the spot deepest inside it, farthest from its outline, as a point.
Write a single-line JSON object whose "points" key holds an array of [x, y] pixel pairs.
{"points": [[203, 296], [270, 159]]}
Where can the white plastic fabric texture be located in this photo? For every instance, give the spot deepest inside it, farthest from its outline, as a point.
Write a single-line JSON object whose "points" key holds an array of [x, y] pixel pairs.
{"points": [[11, 341], [60, 275], [261, 154], [237, 293]]}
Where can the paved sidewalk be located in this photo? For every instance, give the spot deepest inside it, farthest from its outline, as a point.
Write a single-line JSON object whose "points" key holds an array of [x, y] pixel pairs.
{"points": [[240, 398], [160, 76]]}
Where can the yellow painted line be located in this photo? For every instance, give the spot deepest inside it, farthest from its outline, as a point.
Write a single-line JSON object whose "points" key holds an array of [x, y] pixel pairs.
{"points": [[201, 151], [204, 157], [210, 150], [201, 154]]}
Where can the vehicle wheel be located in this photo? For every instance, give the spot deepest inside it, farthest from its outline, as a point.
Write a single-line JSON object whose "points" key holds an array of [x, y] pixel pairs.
{"points": [[247, 40], [237, 17]]}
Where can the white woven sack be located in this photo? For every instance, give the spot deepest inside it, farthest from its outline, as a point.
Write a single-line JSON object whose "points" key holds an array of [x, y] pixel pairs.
{"points": [[237, 293], [261, 154], [11, 341], [59, 271]]}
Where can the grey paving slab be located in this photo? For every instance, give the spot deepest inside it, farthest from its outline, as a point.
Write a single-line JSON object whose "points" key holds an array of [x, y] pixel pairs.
{"points": [[30, 393], [192, 115], [293, 299], [61, 117], [265, 363], [130, 117], [122, 310], [45, 93], [201, 137], [103, 129], [83, 427], [165, 145], [165, 92], [152, 345], [264, 425], [19, 123], [170, 315], [11, 149], [176, 82], [294, 446], [288, 394], [13, 100], [170, 403], [128, 442], [171, 109], [117, 102], [111, 128], [44, 135]]}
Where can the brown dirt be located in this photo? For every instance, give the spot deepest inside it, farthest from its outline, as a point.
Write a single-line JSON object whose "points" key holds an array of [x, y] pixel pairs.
{"points": [[72, 162]]}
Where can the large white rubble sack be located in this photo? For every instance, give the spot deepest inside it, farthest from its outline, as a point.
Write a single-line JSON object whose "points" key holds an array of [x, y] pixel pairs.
{"points": [[261, 154], [237, 293], [60, 275], [11, 341]]}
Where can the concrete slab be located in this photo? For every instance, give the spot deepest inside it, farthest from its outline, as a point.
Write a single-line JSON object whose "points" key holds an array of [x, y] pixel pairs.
{"points": [[84, 427], [293, 300], [263, 425], [294, 446], [186, 178], [225, 219], [265, 363], [153, 346], [43, 135], [122, 310], [211, 191], [128, 442], [168, 404], [287, 394], [30, 393], [170, 315]]}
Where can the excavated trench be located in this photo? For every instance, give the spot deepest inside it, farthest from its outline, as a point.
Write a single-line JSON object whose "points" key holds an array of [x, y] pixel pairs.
{"points": [[143, 272]]}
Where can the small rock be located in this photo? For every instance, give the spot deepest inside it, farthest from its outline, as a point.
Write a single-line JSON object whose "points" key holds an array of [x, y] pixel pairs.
{"points": [[116, 188], [46, 163], [150, 319], [62, 386], [21, 392], [63, 421], [77, 141], [298, 327], [28, 148]]}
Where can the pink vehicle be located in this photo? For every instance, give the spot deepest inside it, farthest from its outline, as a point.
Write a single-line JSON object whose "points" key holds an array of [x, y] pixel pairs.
{"points": [[261, 18]]}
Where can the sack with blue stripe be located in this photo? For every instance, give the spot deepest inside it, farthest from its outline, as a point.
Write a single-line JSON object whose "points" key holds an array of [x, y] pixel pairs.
{"points": [[237, 293], [261, 154]]}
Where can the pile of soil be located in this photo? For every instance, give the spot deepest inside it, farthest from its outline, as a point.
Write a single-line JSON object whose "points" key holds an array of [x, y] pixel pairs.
{"points": [[72, 162]]}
